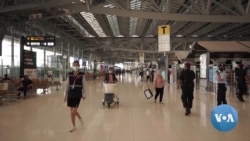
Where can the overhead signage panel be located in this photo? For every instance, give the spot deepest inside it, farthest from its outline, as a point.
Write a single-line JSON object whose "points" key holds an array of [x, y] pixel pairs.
{"points": [[164, 38], [48, 41]]}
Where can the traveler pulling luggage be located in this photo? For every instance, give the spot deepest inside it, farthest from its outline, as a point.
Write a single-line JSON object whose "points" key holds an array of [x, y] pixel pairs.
{"points": [[109, 86]]}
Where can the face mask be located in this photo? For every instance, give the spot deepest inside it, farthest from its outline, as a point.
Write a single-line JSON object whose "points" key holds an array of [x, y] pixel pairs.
{"points": [[221, 69], [110, 71], [75, 68]]}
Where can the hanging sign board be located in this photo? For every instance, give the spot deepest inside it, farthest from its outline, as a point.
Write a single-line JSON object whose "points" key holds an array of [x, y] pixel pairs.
{"points": [[164, 38]]}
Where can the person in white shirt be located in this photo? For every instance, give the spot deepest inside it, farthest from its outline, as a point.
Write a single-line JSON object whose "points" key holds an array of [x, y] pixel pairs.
{"points": [[221, 91], [148, 75]]}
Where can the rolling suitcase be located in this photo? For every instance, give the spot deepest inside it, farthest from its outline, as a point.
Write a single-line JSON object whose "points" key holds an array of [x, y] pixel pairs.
{"points": [[148, 93]]}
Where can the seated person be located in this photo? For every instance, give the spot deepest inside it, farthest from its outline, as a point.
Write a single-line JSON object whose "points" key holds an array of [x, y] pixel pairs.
{"points": [[26, 84], [6, 78], [110, 77]]}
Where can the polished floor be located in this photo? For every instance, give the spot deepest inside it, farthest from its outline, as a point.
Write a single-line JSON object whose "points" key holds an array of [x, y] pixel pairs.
{"points": [[46, 118]]}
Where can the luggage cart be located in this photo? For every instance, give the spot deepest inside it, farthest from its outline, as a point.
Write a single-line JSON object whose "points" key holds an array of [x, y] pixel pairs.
{"points": [[110, 95]]}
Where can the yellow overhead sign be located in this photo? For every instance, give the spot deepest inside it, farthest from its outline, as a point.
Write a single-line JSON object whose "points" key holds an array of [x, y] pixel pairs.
{"points": [[164, 30], [141, 55]]}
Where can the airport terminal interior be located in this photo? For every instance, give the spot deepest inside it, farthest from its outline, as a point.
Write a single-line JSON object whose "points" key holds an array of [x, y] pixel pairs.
{"points": [[42, 38]]}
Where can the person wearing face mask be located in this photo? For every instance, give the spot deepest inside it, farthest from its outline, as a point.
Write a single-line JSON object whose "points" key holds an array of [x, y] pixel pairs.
{"points": [[221, 91], [74, 92], [186, 82]]}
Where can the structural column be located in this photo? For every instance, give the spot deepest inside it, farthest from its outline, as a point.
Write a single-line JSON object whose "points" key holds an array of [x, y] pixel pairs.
{"points": [[209, 84], [12, 53], [166, 68], [44, 61]]}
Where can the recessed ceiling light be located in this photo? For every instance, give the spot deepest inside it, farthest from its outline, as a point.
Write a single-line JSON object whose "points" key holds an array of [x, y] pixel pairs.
{"points": [[179, 36]]}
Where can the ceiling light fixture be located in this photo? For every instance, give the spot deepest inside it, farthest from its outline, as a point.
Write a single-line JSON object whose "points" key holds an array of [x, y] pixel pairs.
{"points": [[179, 36]]}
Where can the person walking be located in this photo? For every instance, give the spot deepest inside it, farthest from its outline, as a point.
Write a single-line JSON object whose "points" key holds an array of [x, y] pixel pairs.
{"points": [[186, 82], [159, 84], [221, 90], [141, 74], [148, 75], [241, 77], [74, 92]]}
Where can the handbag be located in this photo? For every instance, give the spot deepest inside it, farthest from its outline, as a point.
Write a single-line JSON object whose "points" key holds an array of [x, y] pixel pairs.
{"points": [[148, 93]]}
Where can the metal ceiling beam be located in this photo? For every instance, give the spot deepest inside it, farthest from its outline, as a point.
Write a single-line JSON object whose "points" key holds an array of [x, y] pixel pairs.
{"points": [[126, 50], [239, 7], [195, 5], [188, 8], [224, 29], [152, 4], [209, 4], [85, 24], [116, 4], [167, 5], [40, 5], [162, 16], [225, 7], [203, 8], [76, 8], [248, 8], [146, 28], [128, 4]]}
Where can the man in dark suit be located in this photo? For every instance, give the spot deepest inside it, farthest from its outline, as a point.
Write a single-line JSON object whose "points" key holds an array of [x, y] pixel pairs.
{"points": [[186, 82], [241, 77]]}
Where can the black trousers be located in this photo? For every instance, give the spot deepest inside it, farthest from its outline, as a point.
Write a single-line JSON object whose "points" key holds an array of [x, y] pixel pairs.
{"points": [[148, 78], [242, 90], [24, 89], [159, 92], [187, 96], [221, 94]]}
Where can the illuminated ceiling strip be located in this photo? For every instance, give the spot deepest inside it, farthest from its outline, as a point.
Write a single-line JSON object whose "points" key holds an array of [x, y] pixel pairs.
{"points": [[93, 23], [134, 5]]}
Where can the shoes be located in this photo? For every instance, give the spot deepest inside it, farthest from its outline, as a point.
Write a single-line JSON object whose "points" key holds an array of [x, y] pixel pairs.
{"points": [[161, 103], [72, 130], [188, 111], [242, 100], [155, 101]]}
